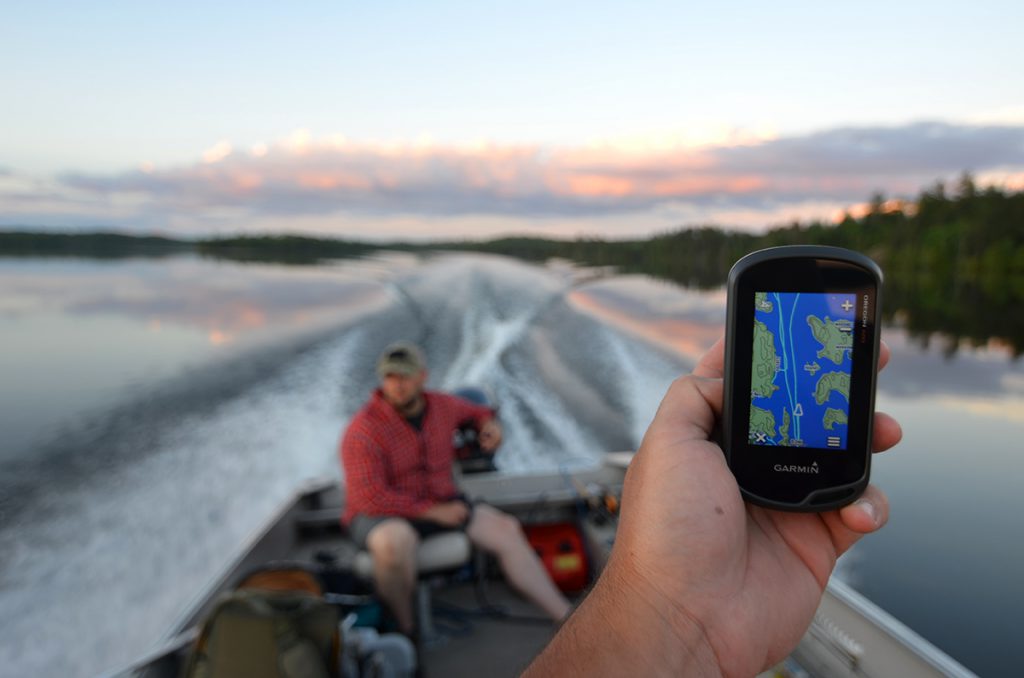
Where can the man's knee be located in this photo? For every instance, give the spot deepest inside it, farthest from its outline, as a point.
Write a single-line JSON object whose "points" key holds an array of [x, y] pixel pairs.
{"points": [[501, 529], [511, 528], [392, 542]]}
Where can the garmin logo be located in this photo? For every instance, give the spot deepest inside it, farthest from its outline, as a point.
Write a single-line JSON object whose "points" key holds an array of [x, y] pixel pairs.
{"points": [[864, 321], [789, 468]]}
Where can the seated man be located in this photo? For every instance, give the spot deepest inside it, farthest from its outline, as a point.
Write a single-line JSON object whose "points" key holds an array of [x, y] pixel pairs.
{"points": [[397, 455]]}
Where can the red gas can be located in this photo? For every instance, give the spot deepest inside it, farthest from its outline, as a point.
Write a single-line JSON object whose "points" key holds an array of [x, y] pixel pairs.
{"points": [[560, 547]]}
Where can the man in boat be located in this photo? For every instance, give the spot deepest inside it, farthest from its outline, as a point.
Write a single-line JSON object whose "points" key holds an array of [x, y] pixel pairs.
{"points": [[700, 583], [397, 455]]}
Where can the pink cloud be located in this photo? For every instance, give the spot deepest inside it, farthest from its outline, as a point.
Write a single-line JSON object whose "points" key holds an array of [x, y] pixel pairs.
{"points": [[302, 177]]}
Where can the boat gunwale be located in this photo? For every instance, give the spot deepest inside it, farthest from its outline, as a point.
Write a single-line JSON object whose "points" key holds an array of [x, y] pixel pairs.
{"points": [[897, 630]]}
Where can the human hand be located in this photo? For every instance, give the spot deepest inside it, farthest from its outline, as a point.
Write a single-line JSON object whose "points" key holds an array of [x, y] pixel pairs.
{"points": [[750, 578], [449, 513], [490, 435], [699, 582]]}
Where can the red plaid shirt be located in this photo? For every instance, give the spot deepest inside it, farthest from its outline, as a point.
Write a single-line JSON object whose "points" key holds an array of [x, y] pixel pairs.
{"points": [[391, 469]]}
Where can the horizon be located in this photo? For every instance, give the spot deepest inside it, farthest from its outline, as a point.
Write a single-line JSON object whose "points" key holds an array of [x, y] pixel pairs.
{"points": [[857, 211], [457, 121]]}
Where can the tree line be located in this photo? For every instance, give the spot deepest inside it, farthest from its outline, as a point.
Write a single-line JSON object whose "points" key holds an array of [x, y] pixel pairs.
{"points": [[962, 233], [953, 256]]}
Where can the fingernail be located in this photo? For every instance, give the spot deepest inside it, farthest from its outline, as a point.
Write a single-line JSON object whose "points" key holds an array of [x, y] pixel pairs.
{"points": [[868, 508]]}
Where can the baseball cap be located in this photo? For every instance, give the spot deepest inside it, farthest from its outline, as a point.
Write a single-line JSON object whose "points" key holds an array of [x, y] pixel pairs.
{"points": [[403, 357]]}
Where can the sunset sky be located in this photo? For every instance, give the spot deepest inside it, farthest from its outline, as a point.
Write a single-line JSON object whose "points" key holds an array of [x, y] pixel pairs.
{"points": [[458, 119]]}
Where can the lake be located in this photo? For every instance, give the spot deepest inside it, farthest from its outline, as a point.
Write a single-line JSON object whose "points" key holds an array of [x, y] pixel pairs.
{"points": [[155, 412]]}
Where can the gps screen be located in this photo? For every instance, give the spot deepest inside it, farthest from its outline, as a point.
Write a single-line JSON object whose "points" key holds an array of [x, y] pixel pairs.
{"points": [[802, 360]]}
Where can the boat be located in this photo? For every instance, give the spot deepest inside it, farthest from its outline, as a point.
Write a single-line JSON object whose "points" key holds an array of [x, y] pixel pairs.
{"points": [[494, 632]]}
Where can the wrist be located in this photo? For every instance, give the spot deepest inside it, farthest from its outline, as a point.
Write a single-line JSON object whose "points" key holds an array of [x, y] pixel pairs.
{"points": [[656, 628], [427, 511], [622, 629]]}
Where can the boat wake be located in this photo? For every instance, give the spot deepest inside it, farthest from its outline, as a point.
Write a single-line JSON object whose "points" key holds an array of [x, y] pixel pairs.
{"points": [[114, 535]]}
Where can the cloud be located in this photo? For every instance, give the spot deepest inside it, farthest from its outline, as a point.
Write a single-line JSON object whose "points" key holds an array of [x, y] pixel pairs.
{"points": [[216, 153], [303, 177]]}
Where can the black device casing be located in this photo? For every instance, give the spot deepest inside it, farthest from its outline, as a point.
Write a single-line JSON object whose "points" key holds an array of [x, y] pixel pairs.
{"points": [[840, 476]]}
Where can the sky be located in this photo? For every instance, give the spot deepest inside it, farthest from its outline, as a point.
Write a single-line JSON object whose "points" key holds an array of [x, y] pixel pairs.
{"points": [[420, 120]]}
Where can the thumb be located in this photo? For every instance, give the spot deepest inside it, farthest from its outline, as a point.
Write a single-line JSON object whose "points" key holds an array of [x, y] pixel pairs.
{"points": [[688, 411]]}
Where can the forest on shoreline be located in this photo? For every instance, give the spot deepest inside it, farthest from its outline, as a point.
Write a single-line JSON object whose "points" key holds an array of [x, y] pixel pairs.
{"points": [[953, 257]]}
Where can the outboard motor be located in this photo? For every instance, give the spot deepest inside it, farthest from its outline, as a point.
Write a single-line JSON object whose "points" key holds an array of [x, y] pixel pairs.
{"points": [[465, 440]]}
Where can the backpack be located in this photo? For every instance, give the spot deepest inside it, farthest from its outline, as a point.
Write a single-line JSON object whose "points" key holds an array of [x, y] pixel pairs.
{"points": [[275, 625]]}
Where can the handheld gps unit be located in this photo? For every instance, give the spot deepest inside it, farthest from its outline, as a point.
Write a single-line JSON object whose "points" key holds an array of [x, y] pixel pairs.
{"points": [[801, 356]]}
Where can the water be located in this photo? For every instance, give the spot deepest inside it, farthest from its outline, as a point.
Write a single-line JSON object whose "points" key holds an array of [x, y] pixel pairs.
{"points": [[155, 412]]}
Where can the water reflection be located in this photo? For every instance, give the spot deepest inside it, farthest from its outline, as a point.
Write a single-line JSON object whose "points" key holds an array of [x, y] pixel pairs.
{"points": [[82, 335], [685, 321], [954, 311], [932, 305], [689, 321], [214, 297]]}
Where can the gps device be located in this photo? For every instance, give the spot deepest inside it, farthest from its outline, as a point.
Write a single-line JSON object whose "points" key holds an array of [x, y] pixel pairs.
{"points": [[801, 356]]}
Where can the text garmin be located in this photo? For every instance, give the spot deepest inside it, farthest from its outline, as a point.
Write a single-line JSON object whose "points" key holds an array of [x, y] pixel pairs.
{"points": [[813, 468], [864, 320]]}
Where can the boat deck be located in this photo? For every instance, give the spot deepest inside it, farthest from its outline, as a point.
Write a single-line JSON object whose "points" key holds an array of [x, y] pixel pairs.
{"points": [[473, 641], [849, 637], [487, 646]]}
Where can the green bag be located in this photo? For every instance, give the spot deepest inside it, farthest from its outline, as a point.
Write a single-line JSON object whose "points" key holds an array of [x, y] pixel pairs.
{"points": [[255, 633]]}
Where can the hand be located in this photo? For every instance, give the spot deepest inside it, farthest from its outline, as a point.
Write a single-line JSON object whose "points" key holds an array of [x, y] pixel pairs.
{"points": [[449, 513], [718, 585], [490, 435]]}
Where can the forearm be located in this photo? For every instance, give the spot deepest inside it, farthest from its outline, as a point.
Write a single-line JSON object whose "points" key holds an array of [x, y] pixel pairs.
{"points": [[621, 631], [428, 513]]}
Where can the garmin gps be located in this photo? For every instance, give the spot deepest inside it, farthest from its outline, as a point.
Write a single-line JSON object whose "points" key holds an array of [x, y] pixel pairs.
{"points": [[801, 356]]}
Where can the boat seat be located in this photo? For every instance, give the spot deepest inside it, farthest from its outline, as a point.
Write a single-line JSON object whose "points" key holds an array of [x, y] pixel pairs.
{"points": [[437, 555]]}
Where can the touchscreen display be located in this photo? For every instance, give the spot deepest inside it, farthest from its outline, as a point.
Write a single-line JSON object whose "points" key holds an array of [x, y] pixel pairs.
{"points": [[802, 361]]}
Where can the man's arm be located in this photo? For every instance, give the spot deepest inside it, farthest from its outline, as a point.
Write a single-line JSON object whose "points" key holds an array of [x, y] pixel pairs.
{"points": [[450, 513], [490, 435], [486, 420], [619, 631], [699, 582]]}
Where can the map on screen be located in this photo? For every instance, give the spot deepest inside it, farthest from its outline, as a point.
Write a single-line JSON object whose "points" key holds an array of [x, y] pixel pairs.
{"points": [[800, 380]]}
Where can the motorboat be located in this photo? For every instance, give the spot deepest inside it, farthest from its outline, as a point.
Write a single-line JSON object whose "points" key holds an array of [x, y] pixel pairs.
{"points": [[475, 625]]}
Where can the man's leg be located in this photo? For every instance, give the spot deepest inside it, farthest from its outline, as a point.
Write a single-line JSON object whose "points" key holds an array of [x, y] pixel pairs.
{"points": [[393, 545], [501, 534]]}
